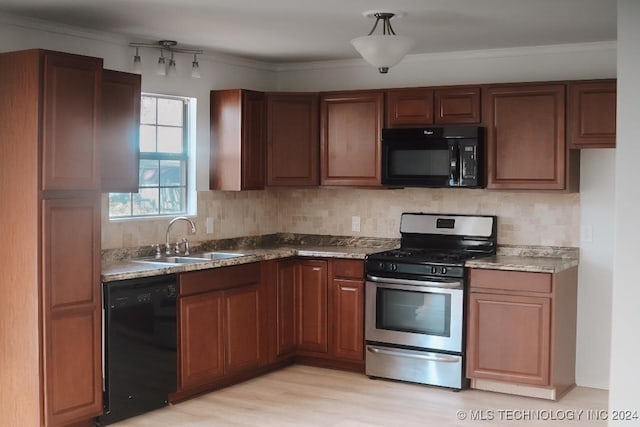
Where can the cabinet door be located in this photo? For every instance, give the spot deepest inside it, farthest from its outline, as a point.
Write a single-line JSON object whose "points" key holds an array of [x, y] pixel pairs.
{"points": [[71, 117], [311, 307], [592, 114], [292, 140], [120, 131], [286, 337], [347, 318], [72, 314], [243, 338], [509, 338], [457, 105], [201, 339], [237, 140], [253, 140], [526, 137], [409, 107], [350, 135]]}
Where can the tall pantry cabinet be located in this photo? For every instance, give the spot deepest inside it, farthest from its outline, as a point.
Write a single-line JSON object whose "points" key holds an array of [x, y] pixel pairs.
{"points": [[50, 255]]}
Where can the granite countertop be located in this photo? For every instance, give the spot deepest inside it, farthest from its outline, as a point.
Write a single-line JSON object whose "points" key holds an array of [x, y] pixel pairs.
{"points": [[132, 269], [122, 264], [523, 263]]}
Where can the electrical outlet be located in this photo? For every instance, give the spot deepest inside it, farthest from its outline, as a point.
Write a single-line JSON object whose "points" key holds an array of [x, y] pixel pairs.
{"points": [[586, 234], [209, 225], [355, 223]]}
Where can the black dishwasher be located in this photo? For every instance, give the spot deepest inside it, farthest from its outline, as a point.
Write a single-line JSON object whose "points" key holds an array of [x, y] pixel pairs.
{"points": [[140, 357]]}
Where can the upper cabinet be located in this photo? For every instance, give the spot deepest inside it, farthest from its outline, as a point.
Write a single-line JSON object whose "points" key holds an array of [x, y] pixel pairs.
{"points": [[409, 107], [350, 138], [70, 126], [591, 112], [429, 106], [120, 131], [526, 143], [457, 105], [237, 140], [292, 139]]}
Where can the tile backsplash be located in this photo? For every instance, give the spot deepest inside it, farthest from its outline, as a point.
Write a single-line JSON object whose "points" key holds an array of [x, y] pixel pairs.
{"points": [[534, 218]]}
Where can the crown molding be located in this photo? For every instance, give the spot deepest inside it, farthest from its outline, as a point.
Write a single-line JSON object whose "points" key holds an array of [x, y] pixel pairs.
{"points": [[116, 39], [466, 54]]}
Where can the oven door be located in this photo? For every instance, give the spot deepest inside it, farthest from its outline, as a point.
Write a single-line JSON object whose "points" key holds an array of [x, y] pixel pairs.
{"points": [[421, 314]]}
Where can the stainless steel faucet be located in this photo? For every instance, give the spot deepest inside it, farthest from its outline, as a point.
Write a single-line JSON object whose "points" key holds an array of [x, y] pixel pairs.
{"points": [[167, 250]]}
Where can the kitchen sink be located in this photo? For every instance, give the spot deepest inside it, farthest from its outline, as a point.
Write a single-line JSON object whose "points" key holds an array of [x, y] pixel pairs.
{"points": [[173, 260], [219, 255]]}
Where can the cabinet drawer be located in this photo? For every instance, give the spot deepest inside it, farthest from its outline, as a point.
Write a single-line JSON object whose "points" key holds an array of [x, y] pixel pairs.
{"points": [[353, 269], [214, 279], [510, 280]]}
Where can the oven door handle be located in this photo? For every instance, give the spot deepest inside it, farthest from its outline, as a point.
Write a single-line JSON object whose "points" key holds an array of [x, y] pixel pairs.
{"points": [[432, 357], [394, 281]]}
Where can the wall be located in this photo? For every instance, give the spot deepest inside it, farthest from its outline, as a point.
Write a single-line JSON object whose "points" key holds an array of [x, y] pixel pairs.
{"points": [[595, 272], [522, 215], [625, 345], [523, 218]]}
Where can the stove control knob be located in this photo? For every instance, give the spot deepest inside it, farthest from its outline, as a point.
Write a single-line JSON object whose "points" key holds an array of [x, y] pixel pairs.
{"points": [[434, 270], [381, 265], [444, 270], [393, 267]]}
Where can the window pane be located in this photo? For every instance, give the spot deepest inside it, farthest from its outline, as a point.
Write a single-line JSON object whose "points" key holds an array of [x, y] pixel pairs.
{"points": [[146, 202], [172, 173], [119, 204], [170, 112], [148, 110], [169, 140], [172, 200], [149, 174], [147, 139]]}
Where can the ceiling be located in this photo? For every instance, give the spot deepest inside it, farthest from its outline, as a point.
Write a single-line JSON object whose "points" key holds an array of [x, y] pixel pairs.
{"points": [[285, 31]]}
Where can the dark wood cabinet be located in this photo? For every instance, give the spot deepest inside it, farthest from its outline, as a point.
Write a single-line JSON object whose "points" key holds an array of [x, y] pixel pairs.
{"points": [[292, 139], [409, 107], [71, 291], [350, 138], [237, 140], [120, 131], [457, 105], [423, 106], [243, 344], [591, 114], [222, 324], [346, 309], [311, 307], [526, 143], [50, 304], [522, 331], [201, 339], [287, 279], [70, 124]]}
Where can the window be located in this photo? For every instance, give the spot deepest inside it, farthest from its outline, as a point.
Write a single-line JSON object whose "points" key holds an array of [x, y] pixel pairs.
{"points": [[166, 132]]}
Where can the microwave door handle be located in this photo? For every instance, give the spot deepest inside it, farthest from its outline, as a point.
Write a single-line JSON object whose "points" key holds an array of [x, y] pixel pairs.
{"points": [[453, 164]]}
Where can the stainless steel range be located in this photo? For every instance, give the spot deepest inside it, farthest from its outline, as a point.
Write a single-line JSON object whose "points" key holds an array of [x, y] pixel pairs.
{"points": [[415, 298]]}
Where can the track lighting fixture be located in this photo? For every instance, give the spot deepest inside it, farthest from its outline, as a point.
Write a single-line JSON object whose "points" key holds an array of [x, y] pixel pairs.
{"points": [[163, 68]]}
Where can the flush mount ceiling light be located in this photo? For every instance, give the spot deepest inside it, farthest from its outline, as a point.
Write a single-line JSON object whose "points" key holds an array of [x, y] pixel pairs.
{"points": [[163, 68], [383, 50]]}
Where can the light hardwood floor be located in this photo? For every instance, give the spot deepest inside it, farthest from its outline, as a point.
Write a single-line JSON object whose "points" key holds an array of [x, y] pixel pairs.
{"points": [[308, 396]]}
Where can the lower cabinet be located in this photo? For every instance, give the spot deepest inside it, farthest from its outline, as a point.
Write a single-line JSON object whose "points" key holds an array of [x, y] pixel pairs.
{"points": [[346, 305], [222, 326], [320, 312], [201, 339], [522, 332]]}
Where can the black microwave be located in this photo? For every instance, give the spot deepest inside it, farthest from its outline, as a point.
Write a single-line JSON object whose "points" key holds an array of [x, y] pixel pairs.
{"points": [[450, 156]]}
